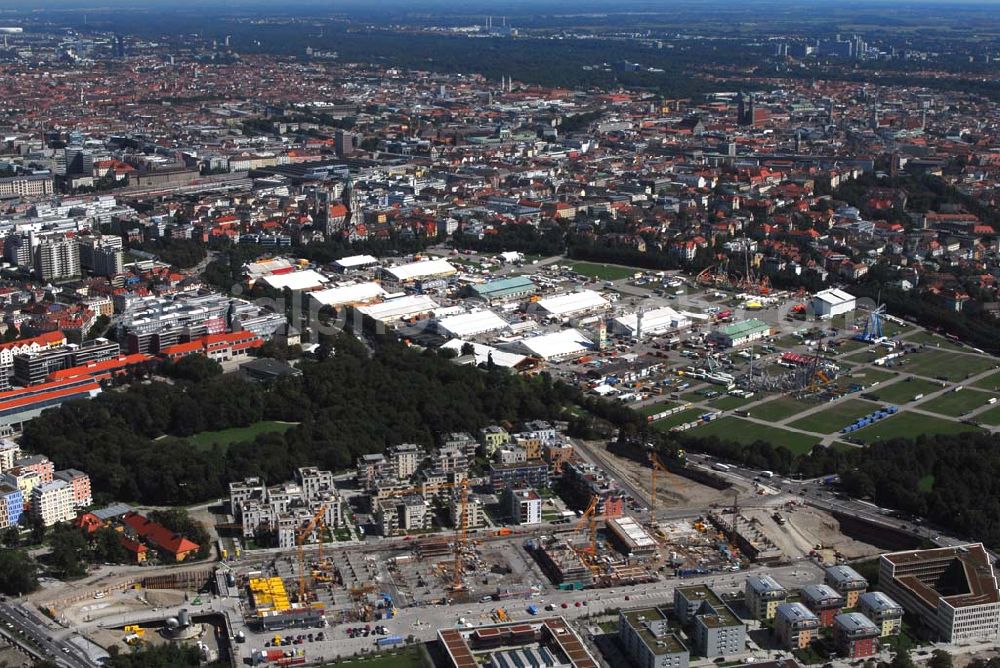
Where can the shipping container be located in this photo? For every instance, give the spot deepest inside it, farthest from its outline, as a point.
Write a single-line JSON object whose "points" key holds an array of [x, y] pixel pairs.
{"points": [[389, 641]]}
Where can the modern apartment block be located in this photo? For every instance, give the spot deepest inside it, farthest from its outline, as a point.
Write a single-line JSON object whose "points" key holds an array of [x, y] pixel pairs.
{"points": [[11, 505], [824, 601], [79, 482], [492, 437], [524, 506], [151, 324], [56, 257], [586, 481], [713, 627], [763, 596], [103, 255], [404, 459], [32, 368], [649, 641], [795, 625], [52, 502], [885, 612], [10, 452], [519, 475], [475, 512], [953, 590], [39, 464], [461, 440], [398, 515], [22, 479], [847, 582], [855, 635], [370, 468], [288, 507]]}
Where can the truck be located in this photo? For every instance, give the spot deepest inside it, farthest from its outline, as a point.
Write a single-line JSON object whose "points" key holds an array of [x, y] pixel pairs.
{"points": [[389, 641]]}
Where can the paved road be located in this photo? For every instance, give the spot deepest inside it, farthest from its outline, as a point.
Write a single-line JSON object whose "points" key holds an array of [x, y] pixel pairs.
{"points": [[39, 640]]}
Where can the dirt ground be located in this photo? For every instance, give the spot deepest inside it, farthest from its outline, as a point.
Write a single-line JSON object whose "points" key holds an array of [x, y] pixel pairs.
{"points": [[806, 528], [672, 491], [11, 657], [130, 600]]}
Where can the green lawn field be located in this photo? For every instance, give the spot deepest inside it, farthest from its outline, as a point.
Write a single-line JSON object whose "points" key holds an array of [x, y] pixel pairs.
{"points": [[729, 402], [990, 417], [849, 346], [991, 382], [910, 425], [227, 437], [405, 658], [926, 483], [927, 338], [865, 356], [604, 272], [903, 391], [778, 409], [744, 431], [959, 403], [869, 376], [836, 417], [947, 365]]}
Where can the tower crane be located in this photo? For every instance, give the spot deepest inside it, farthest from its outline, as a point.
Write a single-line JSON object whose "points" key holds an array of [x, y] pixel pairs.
{"points": [[461, 528], [300, 538], [588, 520]]}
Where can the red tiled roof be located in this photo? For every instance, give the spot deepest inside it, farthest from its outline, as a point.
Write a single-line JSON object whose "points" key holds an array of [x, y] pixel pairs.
{"points": [[100, 367], [46, 339], [158, 535]]}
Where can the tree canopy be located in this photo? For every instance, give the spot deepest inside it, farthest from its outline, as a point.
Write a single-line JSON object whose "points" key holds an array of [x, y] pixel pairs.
{"points": [[349, 404], [18, 573]]}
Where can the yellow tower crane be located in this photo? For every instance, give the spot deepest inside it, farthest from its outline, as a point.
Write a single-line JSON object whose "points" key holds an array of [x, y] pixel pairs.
{"points": [[461, 530], [300, 539]]}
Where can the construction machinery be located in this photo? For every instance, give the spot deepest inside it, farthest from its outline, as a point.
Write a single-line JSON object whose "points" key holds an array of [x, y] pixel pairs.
{"points": [[461, 535], [316, 521], [588, 521], [461, 527]]}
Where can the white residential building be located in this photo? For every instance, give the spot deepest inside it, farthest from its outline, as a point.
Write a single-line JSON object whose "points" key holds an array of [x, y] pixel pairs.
{"points": [[53, 502], [525, 506]]}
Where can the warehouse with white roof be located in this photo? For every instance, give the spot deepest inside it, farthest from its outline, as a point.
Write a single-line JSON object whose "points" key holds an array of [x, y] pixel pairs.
{"points": [[471, 324], [483, 353], [400, 308], [308, 279], [833, 302], [573, 303], [654, 322], [555, 346], [418, 271], [355, 262], [349, 295]]}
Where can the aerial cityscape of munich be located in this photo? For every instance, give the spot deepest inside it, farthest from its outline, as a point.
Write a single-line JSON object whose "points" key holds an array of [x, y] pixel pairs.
{"points": [[510, 334]]}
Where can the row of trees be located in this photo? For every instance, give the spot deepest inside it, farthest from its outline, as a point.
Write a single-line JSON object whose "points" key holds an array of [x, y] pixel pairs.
{"points": [[950, 479]]}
